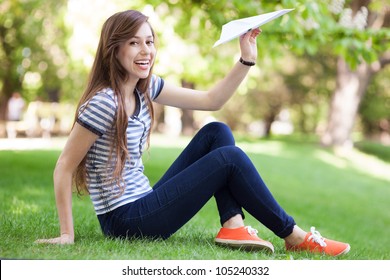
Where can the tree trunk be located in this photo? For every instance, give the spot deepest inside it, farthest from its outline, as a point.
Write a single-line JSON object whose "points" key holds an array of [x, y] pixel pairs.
{"points": [[269, 119], [188, 122], [159, 117], [187, 116], [350, 88]]}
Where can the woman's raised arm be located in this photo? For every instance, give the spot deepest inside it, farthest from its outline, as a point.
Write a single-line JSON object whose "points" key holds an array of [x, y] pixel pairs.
{"points": [[218, 95]]}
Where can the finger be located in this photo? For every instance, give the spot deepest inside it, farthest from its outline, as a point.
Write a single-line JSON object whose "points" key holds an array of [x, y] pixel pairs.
{"points": [[251, 34], [255, 32], [41, 241], [47, 241]]}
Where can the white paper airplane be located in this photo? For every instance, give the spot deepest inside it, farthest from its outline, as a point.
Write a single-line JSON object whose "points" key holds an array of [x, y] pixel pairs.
{"points": [[236, 28]]}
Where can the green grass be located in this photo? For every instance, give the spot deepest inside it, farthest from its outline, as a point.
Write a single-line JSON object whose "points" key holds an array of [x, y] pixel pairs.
{"points": [[376, 149], [342, 197]]}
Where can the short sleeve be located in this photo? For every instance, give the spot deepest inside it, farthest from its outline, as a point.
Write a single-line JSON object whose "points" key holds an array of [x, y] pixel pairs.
{"points": [[156, 86], [98, 115]]}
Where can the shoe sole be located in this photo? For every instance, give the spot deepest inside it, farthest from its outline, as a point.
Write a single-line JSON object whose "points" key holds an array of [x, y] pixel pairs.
{"points": [[246, 245], [346, 251]]}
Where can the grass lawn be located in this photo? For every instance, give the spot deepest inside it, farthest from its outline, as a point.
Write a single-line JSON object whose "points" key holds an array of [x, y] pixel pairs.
{"points": [[345, 198]]}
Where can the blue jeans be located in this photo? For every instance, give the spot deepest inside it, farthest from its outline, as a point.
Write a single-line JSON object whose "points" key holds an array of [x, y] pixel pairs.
{"points": [[211, 165]]}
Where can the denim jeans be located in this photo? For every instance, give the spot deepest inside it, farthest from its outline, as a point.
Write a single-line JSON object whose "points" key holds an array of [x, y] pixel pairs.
{"points": [[210, 166]]}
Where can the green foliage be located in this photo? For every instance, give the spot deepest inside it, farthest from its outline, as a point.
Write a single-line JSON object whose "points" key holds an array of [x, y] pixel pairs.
{"points": [[375, 108], [33, 41], [32, 46], [315, 29], [310, 86], [309, 27]]}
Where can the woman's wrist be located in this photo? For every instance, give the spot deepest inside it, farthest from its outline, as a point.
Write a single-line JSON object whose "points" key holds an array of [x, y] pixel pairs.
{"points": [[67, 238], [67, 234], [247, 62]]}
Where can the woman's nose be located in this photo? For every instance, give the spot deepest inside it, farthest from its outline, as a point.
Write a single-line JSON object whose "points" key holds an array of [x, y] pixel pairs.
{"points": [[145, 49]]}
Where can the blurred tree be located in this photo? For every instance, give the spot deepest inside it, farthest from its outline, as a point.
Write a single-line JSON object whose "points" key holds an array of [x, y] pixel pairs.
{"points": [[363, 51], [187, 117], [310, 83], [375, 108], [355, 31], [32, 49]]}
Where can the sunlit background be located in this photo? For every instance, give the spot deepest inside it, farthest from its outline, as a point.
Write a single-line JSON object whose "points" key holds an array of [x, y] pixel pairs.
{"points": [[49, 47]]}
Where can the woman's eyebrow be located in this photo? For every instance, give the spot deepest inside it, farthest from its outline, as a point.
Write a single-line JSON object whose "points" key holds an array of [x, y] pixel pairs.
{"points": [[140, 37]]}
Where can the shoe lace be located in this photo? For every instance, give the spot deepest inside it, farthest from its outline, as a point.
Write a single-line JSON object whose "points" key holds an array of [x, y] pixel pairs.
{"points": [[251, 230], [316, 237]]}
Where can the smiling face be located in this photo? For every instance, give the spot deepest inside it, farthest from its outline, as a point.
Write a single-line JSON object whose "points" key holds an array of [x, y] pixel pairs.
{"points": [[137, 54]]}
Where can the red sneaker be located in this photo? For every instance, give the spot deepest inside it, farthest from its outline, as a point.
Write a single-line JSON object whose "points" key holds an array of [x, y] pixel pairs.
{"points": [[315, 243], [243, 237]]}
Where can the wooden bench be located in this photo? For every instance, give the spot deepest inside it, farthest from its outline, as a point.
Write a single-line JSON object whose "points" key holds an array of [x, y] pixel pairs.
{"points": [[43, 119]]}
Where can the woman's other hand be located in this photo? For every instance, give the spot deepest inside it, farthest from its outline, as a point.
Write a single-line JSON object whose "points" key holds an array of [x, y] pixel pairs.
{"points": [[62, 240]]}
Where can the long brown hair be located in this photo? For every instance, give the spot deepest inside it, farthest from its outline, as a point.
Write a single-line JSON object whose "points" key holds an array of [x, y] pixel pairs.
{"points": [[107, 71]]}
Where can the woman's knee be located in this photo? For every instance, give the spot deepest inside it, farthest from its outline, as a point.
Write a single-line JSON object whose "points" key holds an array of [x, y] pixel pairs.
{"points": [[233, 154], [218, 128]]}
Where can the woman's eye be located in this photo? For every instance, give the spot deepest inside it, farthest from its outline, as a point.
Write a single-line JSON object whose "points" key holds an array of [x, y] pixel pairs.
{"points": [[136, 43]]}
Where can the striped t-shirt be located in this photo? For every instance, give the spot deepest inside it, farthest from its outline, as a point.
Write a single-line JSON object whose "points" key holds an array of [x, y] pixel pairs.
{"points": [[98, 115]]}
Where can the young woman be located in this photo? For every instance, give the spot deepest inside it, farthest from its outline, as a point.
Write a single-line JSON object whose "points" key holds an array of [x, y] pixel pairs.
{"points": [[103, 155]]}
